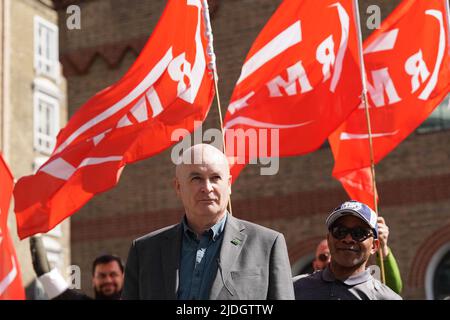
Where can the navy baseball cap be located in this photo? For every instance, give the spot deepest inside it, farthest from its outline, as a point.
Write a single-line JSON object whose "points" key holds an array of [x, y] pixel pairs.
{"points": [[356, 209]]}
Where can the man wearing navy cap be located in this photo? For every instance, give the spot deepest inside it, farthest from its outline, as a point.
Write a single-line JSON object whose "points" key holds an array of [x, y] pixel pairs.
{"points": [[352, 239]]}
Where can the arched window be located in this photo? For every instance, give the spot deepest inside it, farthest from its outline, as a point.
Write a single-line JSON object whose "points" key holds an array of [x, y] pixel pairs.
{"points": [[303, 265], [441, 281], [437, 280], [439, 119]]}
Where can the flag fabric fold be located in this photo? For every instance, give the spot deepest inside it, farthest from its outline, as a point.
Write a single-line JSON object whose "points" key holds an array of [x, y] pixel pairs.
{"points": [[170, 86], [300, 77], [11, 287], [407, 63]]}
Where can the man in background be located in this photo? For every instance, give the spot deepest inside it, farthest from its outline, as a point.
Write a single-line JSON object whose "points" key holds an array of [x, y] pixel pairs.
{"points": [[107, 276]]}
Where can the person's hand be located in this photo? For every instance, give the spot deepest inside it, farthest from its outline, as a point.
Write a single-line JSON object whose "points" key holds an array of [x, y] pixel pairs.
{"points": [[39, 256], [383, 235]]}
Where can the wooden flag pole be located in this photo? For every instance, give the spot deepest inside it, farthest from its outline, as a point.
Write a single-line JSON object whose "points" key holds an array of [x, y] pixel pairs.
{"points": [[372, 163], [369, 129], [212, 67], [221, 128]]}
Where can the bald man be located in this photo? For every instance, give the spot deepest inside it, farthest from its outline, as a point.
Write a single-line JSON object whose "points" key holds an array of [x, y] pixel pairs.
{"points": [[210, 254]]}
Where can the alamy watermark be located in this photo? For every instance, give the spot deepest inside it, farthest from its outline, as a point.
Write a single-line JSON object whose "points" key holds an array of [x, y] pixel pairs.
{"points": [[374, 20], [74, 277], [375, 271], [250, 146], [73, 21]]}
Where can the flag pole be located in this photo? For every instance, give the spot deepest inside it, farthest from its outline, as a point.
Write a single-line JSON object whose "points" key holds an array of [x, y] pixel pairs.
{"points": [[369, 128], [213, 68], [447, 9]]}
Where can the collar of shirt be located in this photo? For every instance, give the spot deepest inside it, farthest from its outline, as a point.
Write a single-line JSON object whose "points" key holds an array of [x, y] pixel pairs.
{"points": [[214, 232], [353, 280]]}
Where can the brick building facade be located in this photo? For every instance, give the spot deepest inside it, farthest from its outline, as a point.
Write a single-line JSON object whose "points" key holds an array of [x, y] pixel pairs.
{"points": [[33, 107], [413, 181]]}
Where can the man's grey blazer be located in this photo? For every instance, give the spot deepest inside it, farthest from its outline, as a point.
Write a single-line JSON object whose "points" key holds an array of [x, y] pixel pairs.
{"points": [[253, 264]]}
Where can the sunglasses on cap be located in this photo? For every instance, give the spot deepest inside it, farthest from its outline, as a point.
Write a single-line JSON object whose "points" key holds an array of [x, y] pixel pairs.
{"points": [[358, 234]]}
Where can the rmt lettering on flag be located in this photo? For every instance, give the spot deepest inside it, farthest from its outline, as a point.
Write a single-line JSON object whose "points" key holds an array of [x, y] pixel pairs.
{"points": [[407, 64], [300, 77], [168, 87]]}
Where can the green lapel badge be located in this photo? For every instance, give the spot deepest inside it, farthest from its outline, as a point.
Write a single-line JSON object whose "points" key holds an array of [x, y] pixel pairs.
{"points": [[236, 242]]}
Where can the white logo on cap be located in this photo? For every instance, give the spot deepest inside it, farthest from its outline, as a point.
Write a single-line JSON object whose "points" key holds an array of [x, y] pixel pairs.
{"points": [[373, 218], [351, 205]]}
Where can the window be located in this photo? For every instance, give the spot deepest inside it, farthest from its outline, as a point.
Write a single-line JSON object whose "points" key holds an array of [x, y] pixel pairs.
{"points": [[441, 281], [56, 231], [437, 276], [46, 122], [45, 48], [307, 269], [303, 265], [38, 162], [54, 252], [439, 119]]}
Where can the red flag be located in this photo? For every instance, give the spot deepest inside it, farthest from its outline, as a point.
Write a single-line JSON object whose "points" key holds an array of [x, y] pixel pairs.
{"points": [[300, 76], [408, 73], [168, 87], [11, 287], [359, 185]]}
